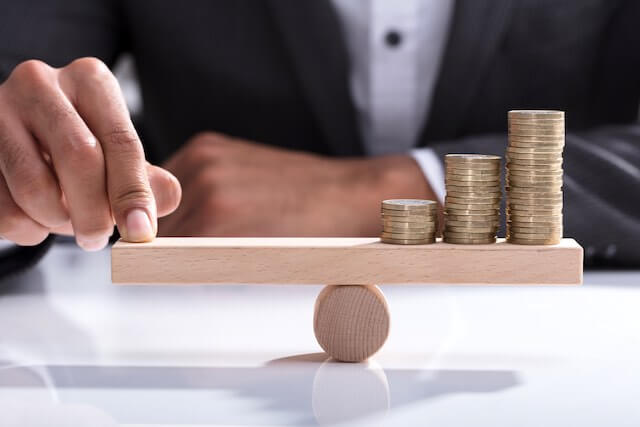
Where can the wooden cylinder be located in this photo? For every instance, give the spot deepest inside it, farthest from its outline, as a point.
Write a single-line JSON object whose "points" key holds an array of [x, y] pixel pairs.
{"points": [[351, 322]]}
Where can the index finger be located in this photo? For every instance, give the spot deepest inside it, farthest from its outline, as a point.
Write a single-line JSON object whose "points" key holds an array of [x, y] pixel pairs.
{"points": [[96, 95]]}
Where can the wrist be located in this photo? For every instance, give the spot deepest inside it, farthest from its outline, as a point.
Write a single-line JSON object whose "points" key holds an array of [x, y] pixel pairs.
{"points": [[375, 179]]}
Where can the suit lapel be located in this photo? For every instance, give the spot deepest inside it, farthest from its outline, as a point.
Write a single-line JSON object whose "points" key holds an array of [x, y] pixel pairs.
{"points": [[476, 31], [312, 37]]}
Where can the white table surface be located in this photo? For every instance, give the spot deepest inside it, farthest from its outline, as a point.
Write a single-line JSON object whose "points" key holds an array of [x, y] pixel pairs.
{"points": [[76, 350]]}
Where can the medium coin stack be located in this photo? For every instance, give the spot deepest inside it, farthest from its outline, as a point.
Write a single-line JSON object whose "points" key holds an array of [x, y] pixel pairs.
{"points": [[409, 221], [534, 177], [472, 203]]}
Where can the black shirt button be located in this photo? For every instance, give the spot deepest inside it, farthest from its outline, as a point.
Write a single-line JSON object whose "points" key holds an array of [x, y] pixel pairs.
{"points": [[393, 38]]}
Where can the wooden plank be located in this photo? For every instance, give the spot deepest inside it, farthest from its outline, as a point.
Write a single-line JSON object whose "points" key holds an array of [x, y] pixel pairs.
{"points": [[342, 261]]}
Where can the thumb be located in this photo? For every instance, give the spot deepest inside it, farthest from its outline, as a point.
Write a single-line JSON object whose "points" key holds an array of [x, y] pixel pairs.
{"points": [[166, 189]]}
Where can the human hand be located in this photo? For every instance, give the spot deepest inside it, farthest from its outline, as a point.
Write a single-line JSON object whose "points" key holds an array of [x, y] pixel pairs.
{"points": [[239, 188], [71, 161]]}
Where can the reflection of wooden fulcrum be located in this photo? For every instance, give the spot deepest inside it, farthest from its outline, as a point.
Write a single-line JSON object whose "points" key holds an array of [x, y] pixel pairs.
{"points": [[351, 319]]}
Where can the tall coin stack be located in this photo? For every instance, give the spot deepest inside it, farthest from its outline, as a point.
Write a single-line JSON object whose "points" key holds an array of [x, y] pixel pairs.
{"points": [[409, 221], [534, 177], [472, 203]]}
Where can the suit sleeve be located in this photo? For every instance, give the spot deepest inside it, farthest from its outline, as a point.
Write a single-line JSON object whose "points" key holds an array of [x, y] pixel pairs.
{"points": [[58, 31]]}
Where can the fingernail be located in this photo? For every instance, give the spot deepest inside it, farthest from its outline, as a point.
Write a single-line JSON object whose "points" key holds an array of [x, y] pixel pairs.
{"points": [[138, 226], [93, 245]]}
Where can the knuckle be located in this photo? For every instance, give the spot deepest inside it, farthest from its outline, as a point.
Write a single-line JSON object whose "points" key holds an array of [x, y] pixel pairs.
{"points": [[134, 195], [14, 222], [30, 185], [78, 147], [30, 79], [12, 154], [91, 68], [32, 70], [122, 137], [208, 179], [205, 142]]}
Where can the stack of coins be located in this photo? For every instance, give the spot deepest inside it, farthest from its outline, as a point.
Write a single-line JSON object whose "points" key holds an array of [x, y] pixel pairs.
{"points": [[472, 203], [534, 177], [409, 221]]}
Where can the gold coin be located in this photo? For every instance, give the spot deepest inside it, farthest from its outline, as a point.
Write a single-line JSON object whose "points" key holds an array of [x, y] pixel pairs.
{"points": [[401, 230], [522, 195], [425, 235], [514, 133], [468, 235], [557, 147], [473, 178], [424, 213], [409, 221], [475, 158], [471, 192], [463, 212], [523, 181], [535, 230], [534, 202], [535, 114], [539, 218], [410, 217], [527, 168], [408, 204], [472, 181], [471, 206], [457, 229], [407, 241], [522, 153], [471, 184], [524, 158], [536, 143], [408, 224], [538, 157], [535, 174], [525, 177], [542, 164], [550, 241], [535, 120], [472, 217], [529, 236], [534, 150], [495, 189], [535, 183], [474, 223], [533, 210], [469, 241], [477, 200], [557, 126], [485, 167], [540, 142], [473, 172], [428, 229]]}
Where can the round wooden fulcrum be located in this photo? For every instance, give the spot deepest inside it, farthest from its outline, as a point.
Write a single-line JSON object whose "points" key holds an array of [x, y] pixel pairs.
{"points": [[351, 322]]}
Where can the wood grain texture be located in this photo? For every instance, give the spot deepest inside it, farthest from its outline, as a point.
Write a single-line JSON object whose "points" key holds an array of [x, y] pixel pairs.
{"points": [[351, 323], [342, 260]]}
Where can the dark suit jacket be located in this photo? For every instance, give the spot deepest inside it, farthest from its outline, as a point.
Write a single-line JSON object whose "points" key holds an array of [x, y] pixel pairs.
{"points": [[276, 71]]}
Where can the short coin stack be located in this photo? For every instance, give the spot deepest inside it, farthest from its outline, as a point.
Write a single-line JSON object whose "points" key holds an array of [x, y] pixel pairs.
{"points": [[409, 221], [534, 177], [472, 203]]}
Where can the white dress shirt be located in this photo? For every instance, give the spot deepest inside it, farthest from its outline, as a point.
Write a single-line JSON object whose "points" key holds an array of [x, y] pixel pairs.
{"points": [[395, 48]]}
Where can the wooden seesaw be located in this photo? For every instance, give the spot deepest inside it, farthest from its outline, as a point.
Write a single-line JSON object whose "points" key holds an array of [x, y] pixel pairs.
{"points": [[351, 318]]}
